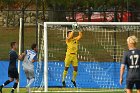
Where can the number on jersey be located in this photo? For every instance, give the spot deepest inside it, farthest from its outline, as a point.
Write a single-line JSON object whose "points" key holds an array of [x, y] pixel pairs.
{"points": [[134, 60]]}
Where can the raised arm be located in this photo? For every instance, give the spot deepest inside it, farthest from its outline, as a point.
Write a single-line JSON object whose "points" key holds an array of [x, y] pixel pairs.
{"points": [[70, 35], [79, 36]]}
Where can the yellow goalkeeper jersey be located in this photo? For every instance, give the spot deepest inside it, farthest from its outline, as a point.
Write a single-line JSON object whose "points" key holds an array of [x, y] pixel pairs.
{"points": [[72, 46]]}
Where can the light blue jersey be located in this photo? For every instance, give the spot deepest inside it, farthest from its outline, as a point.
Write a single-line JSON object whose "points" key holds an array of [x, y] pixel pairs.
{"points": [[29, 56]]}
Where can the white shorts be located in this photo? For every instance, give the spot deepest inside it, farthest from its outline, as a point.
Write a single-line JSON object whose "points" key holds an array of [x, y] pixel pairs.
{"points": [[29, 73]]}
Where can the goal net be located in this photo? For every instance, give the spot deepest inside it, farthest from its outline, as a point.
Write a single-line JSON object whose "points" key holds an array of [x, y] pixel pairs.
{"points": [[99, 54]]}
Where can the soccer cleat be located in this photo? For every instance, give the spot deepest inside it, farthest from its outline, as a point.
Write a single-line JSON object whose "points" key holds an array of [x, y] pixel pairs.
{"points": [[63, 83], [0, 89], [29, 90], [28, 86], [12, 91], [74, 83]]}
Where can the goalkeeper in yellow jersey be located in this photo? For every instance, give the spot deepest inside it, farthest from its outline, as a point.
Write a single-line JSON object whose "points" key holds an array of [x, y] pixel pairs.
{"points": [[71, 54]]}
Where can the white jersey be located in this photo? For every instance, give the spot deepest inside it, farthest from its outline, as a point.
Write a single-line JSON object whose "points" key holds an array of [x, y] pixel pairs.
{"points": [[29, 56]]}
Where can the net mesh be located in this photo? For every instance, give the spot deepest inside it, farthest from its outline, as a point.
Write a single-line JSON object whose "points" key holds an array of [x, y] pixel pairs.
{"points": [[99, 54]]}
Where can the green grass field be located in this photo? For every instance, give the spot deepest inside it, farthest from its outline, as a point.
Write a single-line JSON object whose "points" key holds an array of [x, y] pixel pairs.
{"points": [[61, 90]]}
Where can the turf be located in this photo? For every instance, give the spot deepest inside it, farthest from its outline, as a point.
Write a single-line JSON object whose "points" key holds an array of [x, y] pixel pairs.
{"points": [[23, 90]]}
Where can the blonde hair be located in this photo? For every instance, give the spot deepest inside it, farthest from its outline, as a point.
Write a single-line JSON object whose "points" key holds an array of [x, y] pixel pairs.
{"points": [[132, 39]]}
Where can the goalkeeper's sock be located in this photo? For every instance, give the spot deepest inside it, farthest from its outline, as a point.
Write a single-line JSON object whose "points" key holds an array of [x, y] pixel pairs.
{"points": [[74, 75], [64, 75]]}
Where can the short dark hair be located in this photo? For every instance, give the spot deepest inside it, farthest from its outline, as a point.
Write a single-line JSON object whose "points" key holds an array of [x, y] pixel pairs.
{"points": [[33, 46], [68, 32], [12, 44]]}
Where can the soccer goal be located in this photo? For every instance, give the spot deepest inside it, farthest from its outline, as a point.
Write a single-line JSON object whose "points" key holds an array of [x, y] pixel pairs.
{"points": [[99, 54]]}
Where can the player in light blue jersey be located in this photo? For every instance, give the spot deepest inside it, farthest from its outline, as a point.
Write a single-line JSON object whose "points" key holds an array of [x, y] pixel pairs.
{"points": [[30, 56]]}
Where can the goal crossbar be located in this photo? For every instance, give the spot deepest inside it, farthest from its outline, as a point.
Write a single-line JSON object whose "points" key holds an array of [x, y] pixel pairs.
{"points": [[93, 23]]}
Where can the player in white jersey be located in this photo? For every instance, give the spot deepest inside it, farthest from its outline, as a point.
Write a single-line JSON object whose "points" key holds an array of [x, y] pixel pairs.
{"points": [[30, 56]]}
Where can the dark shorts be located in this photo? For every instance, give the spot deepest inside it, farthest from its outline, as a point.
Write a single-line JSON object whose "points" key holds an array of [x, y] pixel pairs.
{"points": [[13, 73], [130, 84]]}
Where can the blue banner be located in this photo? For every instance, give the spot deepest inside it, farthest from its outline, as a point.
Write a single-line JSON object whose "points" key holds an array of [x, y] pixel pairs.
{"points": [[90, 74]]}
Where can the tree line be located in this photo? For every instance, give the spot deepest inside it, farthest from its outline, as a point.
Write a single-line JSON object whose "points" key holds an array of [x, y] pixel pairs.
{"points": [[61, 6]]}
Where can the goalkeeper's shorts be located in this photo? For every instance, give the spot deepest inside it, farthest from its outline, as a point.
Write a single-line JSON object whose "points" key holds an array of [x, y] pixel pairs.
{"points": [[71, 59]]}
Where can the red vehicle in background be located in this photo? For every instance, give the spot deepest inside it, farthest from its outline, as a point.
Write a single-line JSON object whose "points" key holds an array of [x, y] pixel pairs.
{"points": [[99, 17]]}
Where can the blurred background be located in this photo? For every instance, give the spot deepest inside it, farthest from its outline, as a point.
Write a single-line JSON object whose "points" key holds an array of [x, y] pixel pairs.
{"points": [[38, 11], [68, 10]]}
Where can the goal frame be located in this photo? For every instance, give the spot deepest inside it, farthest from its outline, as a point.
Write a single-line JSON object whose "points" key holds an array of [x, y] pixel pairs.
{"points": [[46, 24]]}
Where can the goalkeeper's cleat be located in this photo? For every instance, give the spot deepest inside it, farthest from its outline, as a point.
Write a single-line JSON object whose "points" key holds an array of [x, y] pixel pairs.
{"points": [[0, 89], [74, 83], [63, 83]]}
